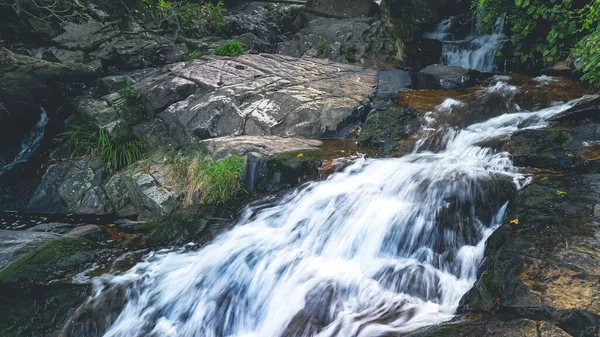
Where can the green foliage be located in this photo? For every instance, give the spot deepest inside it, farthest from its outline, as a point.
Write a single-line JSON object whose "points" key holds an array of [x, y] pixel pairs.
{"points": [[323, 49], [195, 19], [194, 55], [230, 48], [403, 19], [84, 139], [589, 50], [221, 179], [541, 29], [350, 53]]}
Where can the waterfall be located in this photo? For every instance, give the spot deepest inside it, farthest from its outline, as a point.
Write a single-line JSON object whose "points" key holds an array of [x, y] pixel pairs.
{"points": [[30, 143], [475, 51], [383, 248]]}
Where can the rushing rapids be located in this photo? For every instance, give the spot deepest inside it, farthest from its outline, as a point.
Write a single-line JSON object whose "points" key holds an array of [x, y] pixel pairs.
{"points": [[385, 247]]}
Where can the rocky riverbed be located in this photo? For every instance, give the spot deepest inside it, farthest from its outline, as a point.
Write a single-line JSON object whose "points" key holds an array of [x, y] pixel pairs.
{"points": [[319, 89]]}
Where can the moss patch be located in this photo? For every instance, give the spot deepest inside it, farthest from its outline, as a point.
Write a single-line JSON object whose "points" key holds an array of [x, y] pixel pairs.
{"points": [[51, 261]]}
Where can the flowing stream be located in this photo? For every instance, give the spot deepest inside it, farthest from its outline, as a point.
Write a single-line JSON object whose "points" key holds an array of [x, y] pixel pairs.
{"points": [[30, 143], [476, 51], [387, 246]]}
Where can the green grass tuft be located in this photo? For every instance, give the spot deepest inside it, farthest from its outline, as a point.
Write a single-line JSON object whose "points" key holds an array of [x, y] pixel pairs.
{"points": [[196, 54], [230, 48], [116, 154], [221, 179]]}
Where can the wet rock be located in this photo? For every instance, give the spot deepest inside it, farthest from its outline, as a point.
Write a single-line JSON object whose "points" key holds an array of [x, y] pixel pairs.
{"points": [[446, 77], [343, 8], [54, 257], [262, 146], [64, 186], [52, 227], [545, 267], [489, 326], [90, 232], [391, 82], [386, 127], [556, 148], [287, 170], [16, 244], [585, 111], [178, 229]]}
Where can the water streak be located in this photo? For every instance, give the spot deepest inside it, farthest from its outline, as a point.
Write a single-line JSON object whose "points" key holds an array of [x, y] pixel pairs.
{"points": [[30, 143], [385, 247]]}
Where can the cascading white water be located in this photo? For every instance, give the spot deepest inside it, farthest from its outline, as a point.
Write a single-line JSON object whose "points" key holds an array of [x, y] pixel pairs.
{"points": [[385, 247], [29, 144], [475, 52]]}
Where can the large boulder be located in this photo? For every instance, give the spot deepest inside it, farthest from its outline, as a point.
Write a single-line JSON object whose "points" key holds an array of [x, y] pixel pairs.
{"points": [[268, 95]]}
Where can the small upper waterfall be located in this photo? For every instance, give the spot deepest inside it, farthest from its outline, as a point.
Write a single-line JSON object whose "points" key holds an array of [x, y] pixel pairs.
{"points": [[30, 143], [383, 248], [475, 51]]}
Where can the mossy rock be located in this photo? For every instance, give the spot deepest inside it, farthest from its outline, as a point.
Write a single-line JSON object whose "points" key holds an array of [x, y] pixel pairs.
{"points": [[51, 261], [178, 230], [387, 127], [290, 169]]}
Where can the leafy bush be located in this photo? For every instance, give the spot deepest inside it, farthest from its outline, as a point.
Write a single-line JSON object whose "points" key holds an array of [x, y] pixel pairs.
{"points": [[194, 55], [323, 49], [84, 139], [230, 48]]}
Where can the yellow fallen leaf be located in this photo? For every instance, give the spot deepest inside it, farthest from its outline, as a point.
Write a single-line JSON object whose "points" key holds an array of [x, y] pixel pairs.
{"points": [[300, 154], [560, 193], [514, 222], [111, 225]]}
